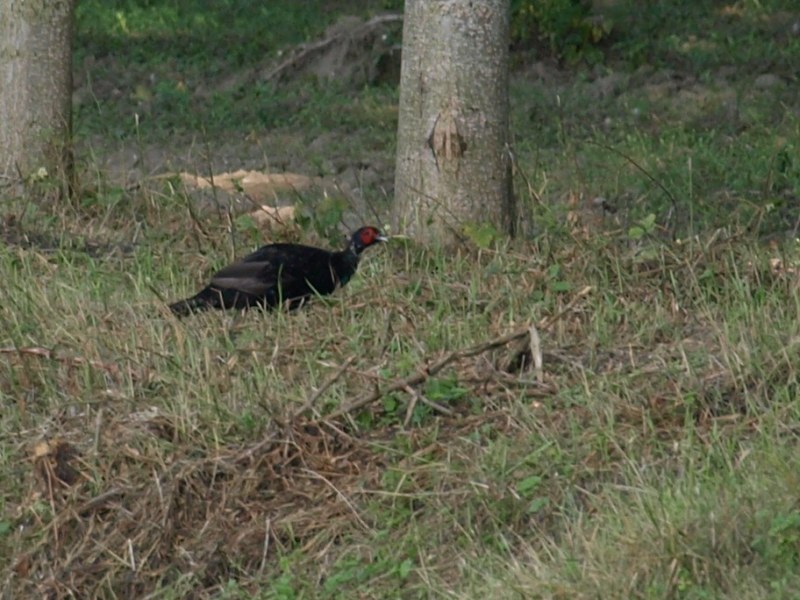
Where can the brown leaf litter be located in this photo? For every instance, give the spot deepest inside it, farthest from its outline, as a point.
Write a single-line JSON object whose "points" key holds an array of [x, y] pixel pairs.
{"points": [[130, 515]]}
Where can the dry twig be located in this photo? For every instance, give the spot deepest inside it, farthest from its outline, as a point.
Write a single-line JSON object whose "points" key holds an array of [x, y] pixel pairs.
{"points": [[304, 55], [309, 404], [427, 371]]}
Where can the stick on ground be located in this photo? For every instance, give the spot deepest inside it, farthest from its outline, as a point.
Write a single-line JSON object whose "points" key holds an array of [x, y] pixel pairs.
{"points": [[427, 371]]}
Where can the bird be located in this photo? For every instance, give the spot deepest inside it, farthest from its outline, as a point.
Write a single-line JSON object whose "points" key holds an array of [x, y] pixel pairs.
{"points": [[280, 274]]}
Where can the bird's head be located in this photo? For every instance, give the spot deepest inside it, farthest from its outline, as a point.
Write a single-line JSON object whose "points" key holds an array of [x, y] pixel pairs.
{"points": [[366, 237]]}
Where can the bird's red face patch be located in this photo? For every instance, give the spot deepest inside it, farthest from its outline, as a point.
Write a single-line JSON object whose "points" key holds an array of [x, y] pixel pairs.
{"points": [[370, 235]]}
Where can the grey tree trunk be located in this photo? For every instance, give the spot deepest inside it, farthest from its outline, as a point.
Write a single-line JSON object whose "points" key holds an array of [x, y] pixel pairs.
{"points": [[453, 167], [35, 91]]}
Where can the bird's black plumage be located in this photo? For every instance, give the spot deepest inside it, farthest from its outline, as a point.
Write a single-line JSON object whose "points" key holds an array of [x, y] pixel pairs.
{"points": [[280, 273]]}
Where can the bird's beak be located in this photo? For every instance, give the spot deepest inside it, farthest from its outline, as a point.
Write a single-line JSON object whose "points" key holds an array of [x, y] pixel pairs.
{"points": [[382, 238]]}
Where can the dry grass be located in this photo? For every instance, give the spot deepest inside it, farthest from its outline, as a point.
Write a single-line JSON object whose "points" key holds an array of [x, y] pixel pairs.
{"points": [[401, 436]]}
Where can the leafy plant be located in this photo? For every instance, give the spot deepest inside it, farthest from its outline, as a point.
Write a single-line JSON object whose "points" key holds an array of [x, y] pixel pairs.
{"points": [[482, 235], [781, 543], [564, 26], [444, 390], [643, 227]]}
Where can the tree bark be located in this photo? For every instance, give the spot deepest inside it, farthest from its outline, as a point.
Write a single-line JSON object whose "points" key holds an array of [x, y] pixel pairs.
{"points": [[453, 161], [35, 91]]}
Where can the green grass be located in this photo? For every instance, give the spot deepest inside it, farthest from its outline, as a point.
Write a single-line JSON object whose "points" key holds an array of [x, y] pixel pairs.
{"points": [[170, 64], [704, 35], [654, 457], [658, 459]]}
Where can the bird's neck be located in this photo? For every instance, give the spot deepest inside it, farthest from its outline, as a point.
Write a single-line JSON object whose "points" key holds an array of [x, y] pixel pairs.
{"points": [[345, 263]]}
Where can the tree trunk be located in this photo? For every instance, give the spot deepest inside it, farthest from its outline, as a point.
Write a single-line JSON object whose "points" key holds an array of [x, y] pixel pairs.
{"points": [[35, 91], [453, 161]]}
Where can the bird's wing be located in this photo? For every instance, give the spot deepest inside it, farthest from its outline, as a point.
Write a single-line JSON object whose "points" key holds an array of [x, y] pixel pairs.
{"points": [[254, 278], [268, 267], [274, 253]]}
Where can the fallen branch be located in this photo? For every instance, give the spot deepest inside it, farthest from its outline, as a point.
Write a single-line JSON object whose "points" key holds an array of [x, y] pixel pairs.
{"points": [[306, 53], [301, 57], [428, 371], [312, 399], [417, 397]]}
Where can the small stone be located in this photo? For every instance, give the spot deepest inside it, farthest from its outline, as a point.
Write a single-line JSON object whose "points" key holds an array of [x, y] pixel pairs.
{"points": [[767, 80]]}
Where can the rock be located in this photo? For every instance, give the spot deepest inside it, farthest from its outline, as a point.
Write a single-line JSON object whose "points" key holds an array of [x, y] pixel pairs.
{"points": [[766, 81], [273, 217]]}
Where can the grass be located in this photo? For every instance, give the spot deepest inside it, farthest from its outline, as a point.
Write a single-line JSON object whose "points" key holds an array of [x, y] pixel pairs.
{"points": [[171, 64], [655, 456], [658, 456]]}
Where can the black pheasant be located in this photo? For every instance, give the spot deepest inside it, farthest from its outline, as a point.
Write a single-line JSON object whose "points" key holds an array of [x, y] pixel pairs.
{"points": [[281, 274]]}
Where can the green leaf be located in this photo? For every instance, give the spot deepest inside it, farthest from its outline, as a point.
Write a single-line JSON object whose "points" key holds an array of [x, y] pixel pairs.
{"points": [[538, 504], [636, 232], [404, 570], [527, 485], [554, 271], [445, 390], [560, 286], [644, 226], [482, 234]]}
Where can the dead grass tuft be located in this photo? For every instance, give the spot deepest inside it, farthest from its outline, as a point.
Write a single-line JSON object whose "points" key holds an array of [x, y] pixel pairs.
{"points": [[127, 521]]}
